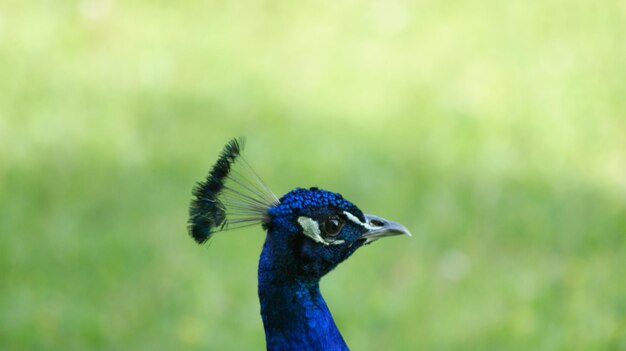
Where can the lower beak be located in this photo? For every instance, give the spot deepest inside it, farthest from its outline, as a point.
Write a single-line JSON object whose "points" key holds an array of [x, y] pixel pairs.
{"points": [[379, 228]]}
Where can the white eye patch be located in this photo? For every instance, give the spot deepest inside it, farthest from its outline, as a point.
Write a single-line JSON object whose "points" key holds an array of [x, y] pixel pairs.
{"points": [[356, 220], [311, 228]]}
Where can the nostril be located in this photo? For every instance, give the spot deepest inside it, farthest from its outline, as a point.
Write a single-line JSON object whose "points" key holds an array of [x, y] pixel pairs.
{"points": [[376, 223]]}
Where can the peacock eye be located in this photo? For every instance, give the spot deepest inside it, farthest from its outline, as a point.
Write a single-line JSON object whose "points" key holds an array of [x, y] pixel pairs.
{"points": [[332, 225]]}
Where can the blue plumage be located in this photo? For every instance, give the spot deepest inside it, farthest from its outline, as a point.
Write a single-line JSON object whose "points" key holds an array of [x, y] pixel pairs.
{"points": [[301, 199], [309, 232]]}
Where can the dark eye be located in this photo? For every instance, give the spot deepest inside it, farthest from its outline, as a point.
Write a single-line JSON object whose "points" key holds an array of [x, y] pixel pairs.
{"points": [[333, 225]]}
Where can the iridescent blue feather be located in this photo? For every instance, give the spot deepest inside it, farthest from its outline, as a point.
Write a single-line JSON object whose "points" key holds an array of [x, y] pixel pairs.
{"points": [[309, 232]]}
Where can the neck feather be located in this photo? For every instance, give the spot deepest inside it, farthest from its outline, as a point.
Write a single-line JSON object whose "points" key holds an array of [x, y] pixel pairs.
{"points": [[295, 315]]}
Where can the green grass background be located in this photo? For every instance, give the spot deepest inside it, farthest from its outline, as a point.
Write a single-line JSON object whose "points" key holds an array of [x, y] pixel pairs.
{"points": [[495, 131]]}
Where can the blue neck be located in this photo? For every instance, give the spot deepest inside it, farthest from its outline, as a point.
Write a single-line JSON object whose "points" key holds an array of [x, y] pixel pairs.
{"points": [[295, 315]]}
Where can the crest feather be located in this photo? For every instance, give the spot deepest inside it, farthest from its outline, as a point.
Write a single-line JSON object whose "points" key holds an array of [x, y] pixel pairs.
{"points": [[232, 196]]}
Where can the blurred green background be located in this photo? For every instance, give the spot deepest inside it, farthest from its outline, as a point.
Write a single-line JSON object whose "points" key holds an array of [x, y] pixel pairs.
{"points": [[495, 131]]}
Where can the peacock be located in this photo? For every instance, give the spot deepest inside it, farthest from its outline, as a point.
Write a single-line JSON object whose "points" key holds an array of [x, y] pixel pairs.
{"points": [[309, 232]]}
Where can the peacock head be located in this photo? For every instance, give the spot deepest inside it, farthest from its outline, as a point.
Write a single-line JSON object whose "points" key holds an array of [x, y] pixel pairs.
{"points": [[310, 231], [316, 229]]}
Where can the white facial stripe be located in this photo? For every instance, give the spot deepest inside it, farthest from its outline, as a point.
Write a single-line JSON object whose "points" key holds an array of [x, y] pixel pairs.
{"points": [[311, 228], [356, 220]]}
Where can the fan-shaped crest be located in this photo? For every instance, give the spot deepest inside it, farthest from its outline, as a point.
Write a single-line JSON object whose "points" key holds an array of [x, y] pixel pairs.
{"points": [[232, 196]]}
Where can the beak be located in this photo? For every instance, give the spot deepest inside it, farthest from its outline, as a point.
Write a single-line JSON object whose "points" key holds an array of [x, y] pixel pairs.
{"points": [[380, 228]]}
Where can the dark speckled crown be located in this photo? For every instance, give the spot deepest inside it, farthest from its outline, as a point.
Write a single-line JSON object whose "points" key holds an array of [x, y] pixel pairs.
{"points": [[295, 201]]}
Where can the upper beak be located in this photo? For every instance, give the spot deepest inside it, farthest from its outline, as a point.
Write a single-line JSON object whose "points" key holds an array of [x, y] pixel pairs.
{"points": [[380, 228]]}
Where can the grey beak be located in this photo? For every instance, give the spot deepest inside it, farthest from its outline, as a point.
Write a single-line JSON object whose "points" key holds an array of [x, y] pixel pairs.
{"points": [[380, 228]]}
